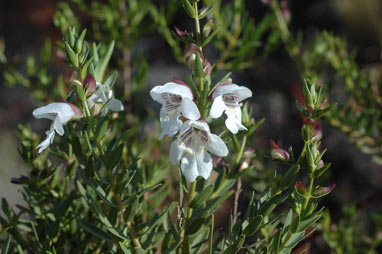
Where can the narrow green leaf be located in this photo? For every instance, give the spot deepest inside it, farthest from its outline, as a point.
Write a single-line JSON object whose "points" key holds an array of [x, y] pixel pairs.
{"points": [[5, 207], [255, 126], [236, 246], [157, 198], [115, 157], [210, 36], [196, 223], [173, 229], [94, 51], [95, 230], [205, 12], [71, 38], [5, 248], [303, 110], [80, 92], [307, 222], [289, 177], [101, 129], [84, 69], [211, 235], [80, 41], [72, 57], [199, 72], [110, 81], [102, 64], [202, 196], [253, 225], [236, 144], [295, 223], [188, 8], [276, 242]]}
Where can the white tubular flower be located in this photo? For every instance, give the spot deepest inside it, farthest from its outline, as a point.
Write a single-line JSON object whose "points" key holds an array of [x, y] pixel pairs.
{"points": [[227, 99], [102, 95], [60, 113], [191, 146], [175, 99]]}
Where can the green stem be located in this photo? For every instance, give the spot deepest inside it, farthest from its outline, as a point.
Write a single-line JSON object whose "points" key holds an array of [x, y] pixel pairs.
{"points": [[136, 242], [238, 158], [310, 188], [302, 154], [197, 24], [186, 241]]}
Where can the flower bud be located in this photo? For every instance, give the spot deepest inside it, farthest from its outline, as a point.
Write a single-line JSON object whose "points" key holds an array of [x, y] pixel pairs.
{"points": [[277, 153], [19, 180], [190, 56], [317, 135], [300, 189], [306, 132], [89, 84], [320, 164], [179, 32], [323, 191], [207, 67], [198, 68], [208, 27]]}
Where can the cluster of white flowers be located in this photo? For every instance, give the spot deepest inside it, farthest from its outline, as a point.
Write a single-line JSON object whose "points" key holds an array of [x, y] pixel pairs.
{"points": [[194, 138], [62, 112]]}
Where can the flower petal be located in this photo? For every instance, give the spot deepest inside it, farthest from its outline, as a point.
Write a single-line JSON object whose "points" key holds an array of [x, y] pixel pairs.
{"points": [[189, 167], [216, 146], [218, 107], [233, 121], [170, 124], [173, 88], [115, 105], [189, 109], [176, 152], [92, 100], [204, 164], [66, 114], [231, 125], [58, 126], [51, 110], [197, 164], [242, 91], [47, 141]]}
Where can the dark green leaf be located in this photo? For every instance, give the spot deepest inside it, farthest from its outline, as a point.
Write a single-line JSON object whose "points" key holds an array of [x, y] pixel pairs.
{"points": [[80, 41], [5, 207], [289, 177], [276, 242], [115, 157], [255, 126], [236, 246], [309, 221], [253, 225], [202, 196], [95, 231], [210, 36], [188, 8], [5, 248], [72, 57], [101, 129], [102, 64], [295, 223]]}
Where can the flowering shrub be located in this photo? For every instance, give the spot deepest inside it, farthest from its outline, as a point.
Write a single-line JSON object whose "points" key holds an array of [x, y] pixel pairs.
{"points": [[107, 185]]}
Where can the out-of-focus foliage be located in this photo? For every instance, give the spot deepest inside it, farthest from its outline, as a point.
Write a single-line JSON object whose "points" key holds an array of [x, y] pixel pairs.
{"points": [[349, 234], [106, 185], [358, 112]]}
